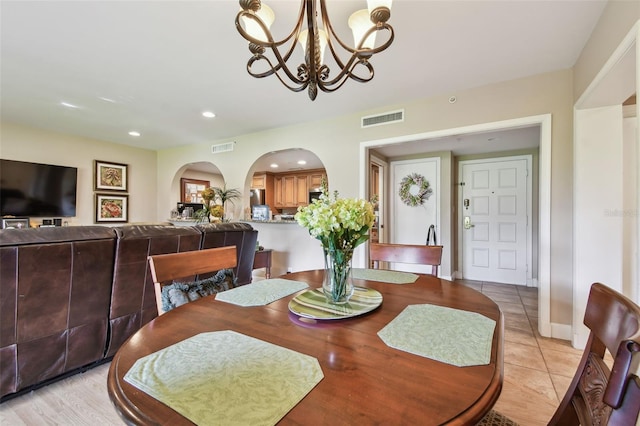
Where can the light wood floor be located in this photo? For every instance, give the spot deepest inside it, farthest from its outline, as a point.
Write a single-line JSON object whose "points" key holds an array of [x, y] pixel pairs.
{"points": [[537, 372]]}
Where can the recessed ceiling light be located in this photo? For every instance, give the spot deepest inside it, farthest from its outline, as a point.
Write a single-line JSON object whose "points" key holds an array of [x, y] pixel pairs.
{"points": [[274, 166], [134, 133], [302, 162], [68, 105], [208, 114], [113, 101]]}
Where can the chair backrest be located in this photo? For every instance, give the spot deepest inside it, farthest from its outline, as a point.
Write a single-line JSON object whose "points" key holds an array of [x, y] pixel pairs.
{"points": [[406, 253], [596, 394], [168, 267]]}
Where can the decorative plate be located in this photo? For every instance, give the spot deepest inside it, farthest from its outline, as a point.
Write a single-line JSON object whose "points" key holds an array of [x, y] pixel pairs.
{"points": [[313, 304]]}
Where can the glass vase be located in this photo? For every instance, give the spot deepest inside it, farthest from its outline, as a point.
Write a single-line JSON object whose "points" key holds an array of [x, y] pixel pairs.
{"points": [[337, 285]]}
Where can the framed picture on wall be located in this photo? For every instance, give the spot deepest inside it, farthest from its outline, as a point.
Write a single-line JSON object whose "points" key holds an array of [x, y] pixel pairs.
{"points": [[192, 190], [112, 208], [110, 176]]}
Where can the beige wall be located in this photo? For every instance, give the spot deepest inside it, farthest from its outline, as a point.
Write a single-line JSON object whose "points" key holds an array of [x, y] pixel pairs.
{"points": [[28, 144], [616, 21], [336, 142]]}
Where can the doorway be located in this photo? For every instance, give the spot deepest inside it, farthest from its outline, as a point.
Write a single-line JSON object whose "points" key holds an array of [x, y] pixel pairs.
{"points": [[495, 207], [377, 188], [543, 260]]}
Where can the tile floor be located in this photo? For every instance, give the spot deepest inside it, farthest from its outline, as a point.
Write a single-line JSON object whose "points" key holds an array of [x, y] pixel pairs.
{"points": [[537, 370]]}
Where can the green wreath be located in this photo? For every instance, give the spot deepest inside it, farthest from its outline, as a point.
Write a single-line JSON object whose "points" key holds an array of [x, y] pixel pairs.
{"points": [[424, 190]]}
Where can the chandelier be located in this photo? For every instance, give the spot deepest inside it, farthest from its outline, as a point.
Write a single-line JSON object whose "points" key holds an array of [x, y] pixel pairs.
{"points": [[254, 22]]}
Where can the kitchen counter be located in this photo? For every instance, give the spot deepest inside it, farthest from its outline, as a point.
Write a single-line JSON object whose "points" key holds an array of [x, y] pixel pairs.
{"points": [[273, 221], [293, 248]]}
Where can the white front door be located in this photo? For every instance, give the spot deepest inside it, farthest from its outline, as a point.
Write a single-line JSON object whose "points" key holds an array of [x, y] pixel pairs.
{"points": [[495, 209]]}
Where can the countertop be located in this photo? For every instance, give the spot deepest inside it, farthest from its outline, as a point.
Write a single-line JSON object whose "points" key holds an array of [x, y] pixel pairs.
{"points": [[286, 222]]}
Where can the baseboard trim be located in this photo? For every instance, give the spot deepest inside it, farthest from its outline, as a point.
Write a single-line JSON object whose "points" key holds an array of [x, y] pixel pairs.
{"points": [[561, 331]]}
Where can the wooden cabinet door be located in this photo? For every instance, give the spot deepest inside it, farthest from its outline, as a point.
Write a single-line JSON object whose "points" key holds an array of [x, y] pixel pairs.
{"points": [[278, 200], [289, 191], [302, 190], [258, 181], [315, 180]]}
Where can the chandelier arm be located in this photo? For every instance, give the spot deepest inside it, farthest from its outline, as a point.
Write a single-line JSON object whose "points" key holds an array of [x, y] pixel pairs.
{"points": [[328, 88], [385, 26], [358, 49], [347, 73], [256, 58], [301, 84], [274, 71], [299, 88], [270, 43], [359, 79], [282, 64]]}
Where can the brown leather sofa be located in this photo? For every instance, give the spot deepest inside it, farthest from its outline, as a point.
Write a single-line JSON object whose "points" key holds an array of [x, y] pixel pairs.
{"points": [[133, 302], [70, 296], [55, 285], [241, 235]]}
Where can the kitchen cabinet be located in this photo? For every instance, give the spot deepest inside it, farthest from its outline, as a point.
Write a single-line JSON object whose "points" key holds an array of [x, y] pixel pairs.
{"points": [[302, 191], [292, 189], [259, 181], [315, 181], [289, 194], [278, 201]]}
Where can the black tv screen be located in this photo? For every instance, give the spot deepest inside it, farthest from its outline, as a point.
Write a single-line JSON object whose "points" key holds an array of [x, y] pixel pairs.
{"points": [[40, 190]]}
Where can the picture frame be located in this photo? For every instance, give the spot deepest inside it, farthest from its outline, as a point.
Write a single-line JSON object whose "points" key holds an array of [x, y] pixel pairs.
{"points": [[15, 223], [111, 208], [191, 190], [109, 176]]}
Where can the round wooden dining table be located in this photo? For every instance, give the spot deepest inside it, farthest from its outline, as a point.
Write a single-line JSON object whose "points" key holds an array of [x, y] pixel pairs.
{"points": [[365, 381]]}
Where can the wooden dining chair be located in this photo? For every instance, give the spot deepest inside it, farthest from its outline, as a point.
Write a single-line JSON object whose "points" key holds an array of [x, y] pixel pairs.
{"points": [[165, 268], [406, 253], [596, 394]]}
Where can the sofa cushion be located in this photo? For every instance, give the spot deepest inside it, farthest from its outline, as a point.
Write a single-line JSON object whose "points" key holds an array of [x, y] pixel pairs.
{"points": [[179, 293]]}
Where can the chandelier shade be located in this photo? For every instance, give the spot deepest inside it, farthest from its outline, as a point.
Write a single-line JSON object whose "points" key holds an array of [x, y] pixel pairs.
{"points": [[315, 33]]}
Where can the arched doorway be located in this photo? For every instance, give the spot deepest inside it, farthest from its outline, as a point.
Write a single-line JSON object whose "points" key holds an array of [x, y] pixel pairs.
{"points": [[187, 186]]}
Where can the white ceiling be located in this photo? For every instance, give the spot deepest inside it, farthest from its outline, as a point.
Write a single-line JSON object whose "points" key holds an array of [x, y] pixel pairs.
{"points": [[154, 66]]}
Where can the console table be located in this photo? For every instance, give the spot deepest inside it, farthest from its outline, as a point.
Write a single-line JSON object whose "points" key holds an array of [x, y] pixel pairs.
{"points": [[262, 259]]}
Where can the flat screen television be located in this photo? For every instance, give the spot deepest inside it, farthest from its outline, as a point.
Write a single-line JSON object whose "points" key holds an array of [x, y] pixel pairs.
{"points": [[37, 190]]}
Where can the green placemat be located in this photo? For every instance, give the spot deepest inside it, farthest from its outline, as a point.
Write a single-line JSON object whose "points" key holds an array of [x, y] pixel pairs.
{"points": [[385, 276], [227, 378], [448, 335], [261, 292]]}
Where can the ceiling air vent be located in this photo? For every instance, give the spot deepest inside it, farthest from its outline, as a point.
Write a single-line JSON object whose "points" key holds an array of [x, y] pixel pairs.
{"points": [[386, 118], [223, 147]]}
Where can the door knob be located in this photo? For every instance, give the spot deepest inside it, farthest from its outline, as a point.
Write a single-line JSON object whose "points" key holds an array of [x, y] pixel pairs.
{"points": [[467, 223]]}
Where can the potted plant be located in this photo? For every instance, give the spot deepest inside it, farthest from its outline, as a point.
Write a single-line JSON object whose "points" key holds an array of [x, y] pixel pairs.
{"points": [[224, 194]]}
